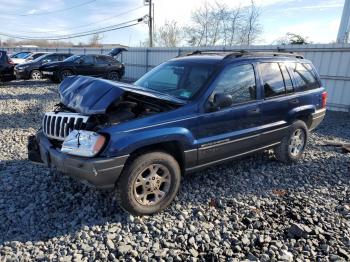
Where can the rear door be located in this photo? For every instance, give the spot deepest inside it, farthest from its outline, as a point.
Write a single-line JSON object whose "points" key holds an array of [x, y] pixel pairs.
{"points": [[279, 99], [102, 65], [86, 66], [230, 131]]}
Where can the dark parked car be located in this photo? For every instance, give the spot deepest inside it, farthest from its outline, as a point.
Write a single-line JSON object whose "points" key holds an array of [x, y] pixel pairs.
{"points": [[30, 70], [184, 115], [6, 67], [34, 56], [88, 65]]}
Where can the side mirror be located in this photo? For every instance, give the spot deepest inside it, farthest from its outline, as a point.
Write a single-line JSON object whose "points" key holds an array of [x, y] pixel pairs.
{"points": [[81, 61], [222, 100]]}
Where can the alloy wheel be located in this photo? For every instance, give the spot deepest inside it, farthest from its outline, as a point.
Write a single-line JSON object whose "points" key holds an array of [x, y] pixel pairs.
{"points": [[36, 75], [152, 185], [297, 142]]}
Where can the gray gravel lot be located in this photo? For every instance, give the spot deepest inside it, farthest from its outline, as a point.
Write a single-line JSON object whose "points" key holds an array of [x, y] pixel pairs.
{"points": [[255, 208]]}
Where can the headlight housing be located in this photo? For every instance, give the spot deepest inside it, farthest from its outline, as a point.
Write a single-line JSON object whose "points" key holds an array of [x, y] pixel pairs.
{"points": [[83, 143], [22, 67]]}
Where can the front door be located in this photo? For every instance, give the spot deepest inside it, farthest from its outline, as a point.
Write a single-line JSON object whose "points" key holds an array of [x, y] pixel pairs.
{"points": [[232, 130]]}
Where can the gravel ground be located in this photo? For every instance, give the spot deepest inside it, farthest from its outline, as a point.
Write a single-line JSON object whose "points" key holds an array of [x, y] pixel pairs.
{"points": [[253, 209]]}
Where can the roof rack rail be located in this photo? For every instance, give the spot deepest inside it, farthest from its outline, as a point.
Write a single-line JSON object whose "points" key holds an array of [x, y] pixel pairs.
{"points": [[262, 53], [244, 53]]}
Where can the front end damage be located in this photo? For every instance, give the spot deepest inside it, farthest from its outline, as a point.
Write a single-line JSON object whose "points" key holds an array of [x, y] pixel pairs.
{"points": [[69, 139]]}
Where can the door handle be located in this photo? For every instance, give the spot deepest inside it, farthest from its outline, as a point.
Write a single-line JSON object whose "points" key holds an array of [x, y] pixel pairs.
{"points": [[294, 101], [254, 111]]}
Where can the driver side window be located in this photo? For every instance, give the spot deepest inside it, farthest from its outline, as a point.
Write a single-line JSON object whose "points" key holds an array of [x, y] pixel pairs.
{"points": [[237, 81]]}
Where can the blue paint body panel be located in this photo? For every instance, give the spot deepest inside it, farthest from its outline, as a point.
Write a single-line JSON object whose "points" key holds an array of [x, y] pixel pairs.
{"points": [[212, 136]]}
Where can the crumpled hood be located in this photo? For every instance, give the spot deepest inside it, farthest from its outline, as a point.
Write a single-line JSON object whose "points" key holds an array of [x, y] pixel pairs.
{"points": [[89, 95]]}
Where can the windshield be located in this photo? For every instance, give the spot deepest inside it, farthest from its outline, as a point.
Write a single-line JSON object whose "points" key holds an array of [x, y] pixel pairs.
{"points": [[22, 55], [73, 58], [180, 79]]}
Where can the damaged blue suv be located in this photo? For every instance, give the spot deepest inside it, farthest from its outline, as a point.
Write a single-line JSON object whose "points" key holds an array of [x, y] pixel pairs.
{"points": [[189, 113]]}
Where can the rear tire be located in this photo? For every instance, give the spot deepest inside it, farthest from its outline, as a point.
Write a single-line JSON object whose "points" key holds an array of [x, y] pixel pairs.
{"points": [[148, 184], [65, 73], [36, 75], [292, 146]]}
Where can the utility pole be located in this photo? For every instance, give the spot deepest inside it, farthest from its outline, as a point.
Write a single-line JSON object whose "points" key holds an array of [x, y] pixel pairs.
{"points": [[150, 23], [344, 27]]}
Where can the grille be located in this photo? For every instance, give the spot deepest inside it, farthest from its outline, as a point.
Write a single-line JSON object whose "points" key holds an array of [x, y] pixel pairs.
{"points": [[59, 125]]}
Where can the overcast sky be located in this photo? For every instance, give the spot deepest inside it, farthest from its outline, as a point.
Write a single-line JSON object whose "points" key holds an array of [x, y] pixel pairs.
{"points": [[317, 19]]}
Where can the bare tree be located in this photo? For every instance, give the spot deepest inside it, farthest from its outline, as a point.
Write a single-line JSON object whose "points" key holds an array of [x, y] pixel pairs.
{"points": [[251, 28], [94, 40], [199, 33], [168, 35], [217, 24]]}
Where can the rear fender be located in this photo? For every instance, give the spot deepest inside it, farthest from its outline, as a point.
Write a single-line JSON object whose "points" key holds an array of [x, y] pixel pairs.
{"points": [[301, 111]]}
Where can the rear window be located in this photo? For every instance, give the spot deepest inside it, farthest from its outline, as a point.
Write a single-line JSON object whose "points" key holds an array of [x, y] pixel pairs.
{"points": [[305, 76]]}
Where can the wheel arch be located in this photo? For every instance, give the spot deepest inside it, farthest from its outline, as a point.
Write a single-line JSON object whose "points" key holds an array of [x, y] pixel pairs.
{"points": [[173, 147], [304, 114]]}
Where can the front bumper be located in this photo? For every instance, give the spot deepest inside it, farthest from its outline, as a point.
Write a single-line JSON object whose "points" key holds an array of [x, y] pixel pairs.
{"points": [[21, 74], [317, 118], [101, 172]]}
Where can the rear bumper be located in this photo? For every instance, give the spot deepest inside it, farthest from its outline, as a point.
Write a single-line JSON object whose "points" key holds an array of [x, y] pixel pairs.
{"points": [[99, 172], [317, 118]]}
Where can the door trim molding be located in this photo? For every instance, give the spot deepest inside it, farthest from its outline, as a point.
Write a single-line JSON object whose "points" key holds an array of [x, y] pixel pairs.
{"points": [[230, 157]]}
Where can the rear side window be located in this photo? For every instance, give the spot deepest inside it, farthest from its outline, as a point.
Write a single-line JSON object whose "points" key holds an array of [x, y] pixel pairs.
{"points": [[101, 60], [272, 79], [88, 59], [305, 76], [64, 56], [110, 60]]}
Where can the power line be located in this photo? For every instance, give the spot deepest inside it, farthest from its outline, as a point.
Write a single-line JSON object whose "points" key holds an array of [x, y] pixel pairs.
{"points": [[102, 30], [52, 12], [84, 25]]}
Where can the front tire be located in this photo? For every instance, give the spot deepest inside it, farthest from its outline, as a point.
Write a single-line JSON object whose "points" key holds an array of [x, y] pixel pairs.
{"points": [[36, 75], [292, 146], [148, 184], [114, 76]]}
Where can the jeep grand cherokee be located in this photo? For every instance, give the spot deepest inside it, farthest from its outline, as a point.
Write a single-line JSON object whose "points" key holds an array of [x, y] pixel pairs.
{"points": [[186, 114]]}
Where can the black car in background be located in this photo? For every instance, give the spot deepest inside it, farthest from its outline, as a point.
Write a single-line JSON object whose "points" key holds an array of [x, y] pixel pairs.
{"points": [[6, 67], [30, 70], [89, 65], [35, 56]]}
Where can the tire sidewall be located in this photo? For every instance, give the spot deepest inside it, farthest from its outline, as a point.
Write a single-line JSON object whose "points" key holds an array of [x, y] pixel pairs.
{"points": [[126, 190], [297, 125]]}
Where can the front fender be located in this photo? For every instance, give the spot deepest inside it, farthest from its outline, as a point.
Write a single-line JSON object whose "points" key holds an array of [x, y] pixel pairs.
{"points": [[124, 143]]}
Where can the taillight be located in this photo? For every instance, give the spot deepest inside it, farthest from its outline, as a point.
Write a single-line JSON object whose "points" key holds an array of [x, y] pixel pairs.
{"points": [[324, 99], [9, 60]]}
